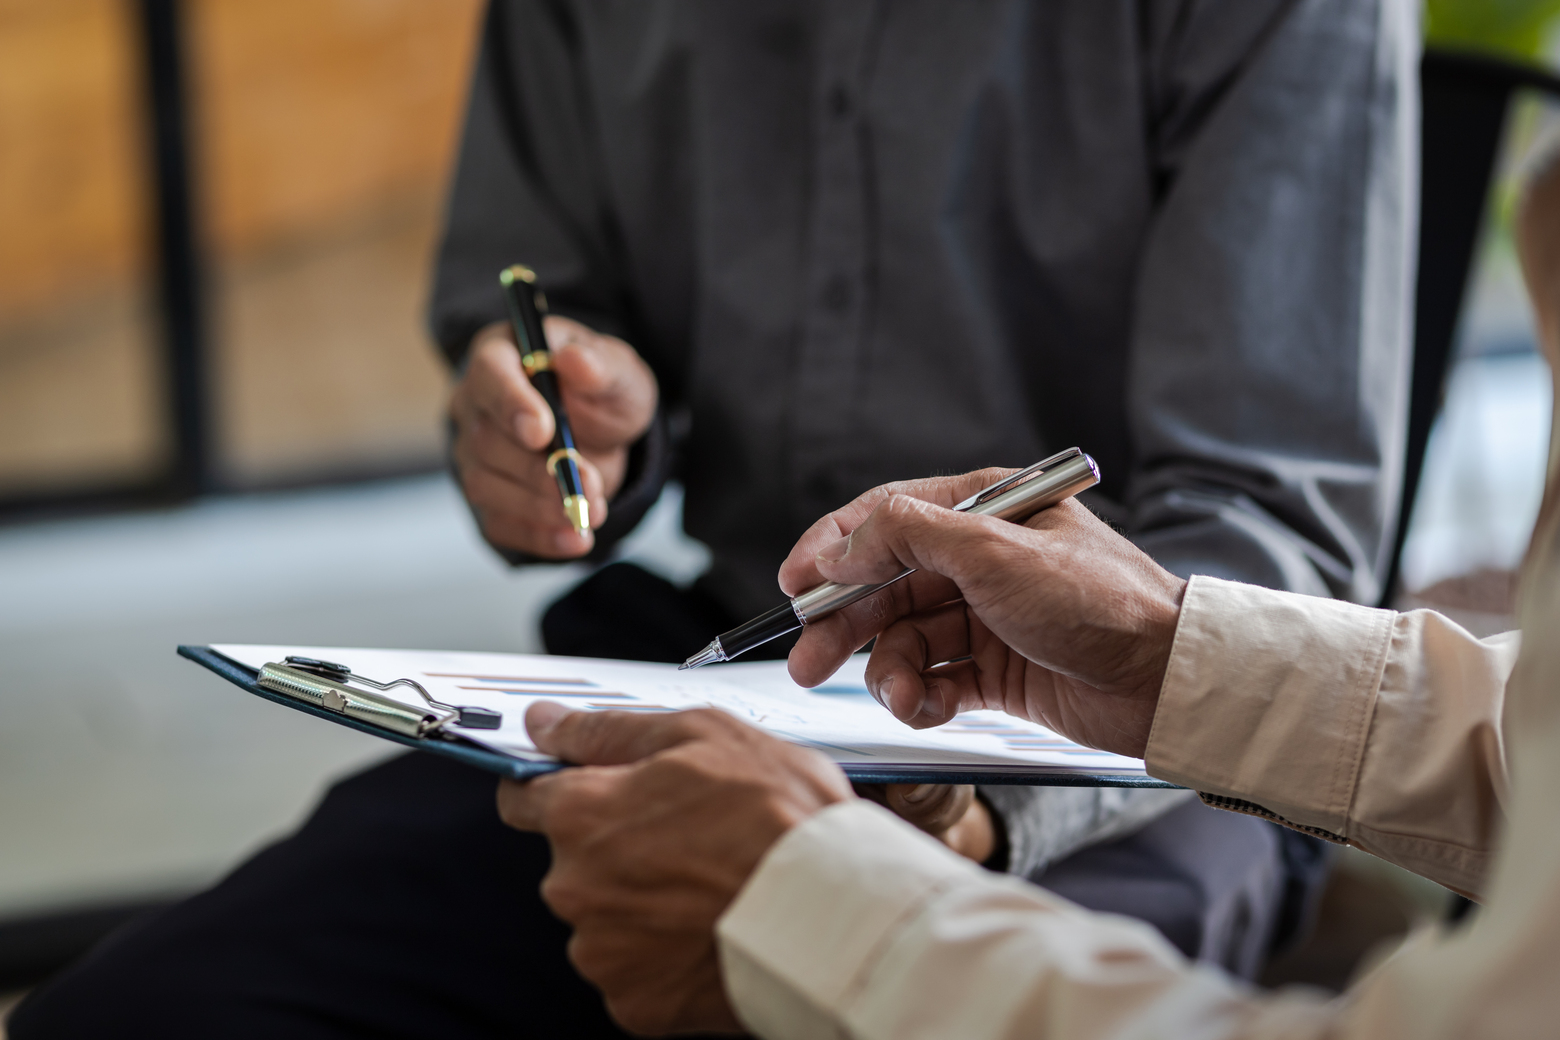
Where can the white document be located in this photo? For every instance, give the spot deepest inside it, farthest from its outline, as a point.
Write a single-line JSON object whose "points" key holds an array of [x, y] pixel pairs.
{"points": [[838, 718]]}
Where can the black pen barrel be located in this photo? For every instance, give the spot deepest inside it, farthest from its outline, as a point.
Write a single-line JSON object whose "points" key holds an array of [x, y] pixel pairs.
{"points": [[766, 627], [526, 305]]}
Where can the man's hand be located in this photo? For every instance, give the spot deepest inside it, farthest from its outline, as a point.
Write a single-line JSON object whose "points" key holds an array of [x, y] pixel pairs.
{"points": [[503, 427], [948, 812], [1060, 621], [652, 837]]}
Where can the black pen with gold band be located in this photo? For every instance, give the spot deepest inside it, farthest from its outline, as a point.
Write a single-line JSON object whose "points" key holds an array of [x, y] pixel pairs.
{"points": [[526, 306]]}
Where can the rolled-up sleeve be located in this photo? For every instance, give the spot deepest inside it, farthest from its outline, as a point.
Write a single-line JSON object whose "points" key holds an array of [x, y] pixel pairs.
{"points": [[1358, 725], [858, 926]]}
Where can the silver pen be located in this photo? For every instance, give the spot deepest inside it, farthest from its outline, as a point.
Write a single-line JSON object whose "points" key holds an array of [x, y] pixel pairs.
{"points": [[1015, 498]]}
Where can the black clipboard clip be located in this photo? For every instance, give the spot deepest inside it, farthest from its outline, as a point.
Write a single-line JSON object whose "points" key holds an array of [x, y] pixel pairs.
{"points": [[328, 685]]}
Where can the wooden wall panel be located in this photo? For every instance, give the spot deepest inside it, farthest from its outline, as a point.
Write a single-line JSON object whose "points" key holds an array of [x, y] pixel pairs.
{"points": [[314, 114], [71, 173]]}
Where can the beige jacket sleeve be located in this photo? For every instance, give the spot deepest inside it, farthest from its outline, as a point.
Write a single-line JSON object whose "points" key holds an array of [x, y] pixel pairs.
{"points": [[1358, 725], [1383, 731]]}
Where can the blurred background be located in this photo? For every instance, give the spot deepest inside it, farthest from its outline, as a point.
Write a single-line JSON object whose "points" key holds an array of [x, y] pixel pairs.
{"points": [[221, 419]]}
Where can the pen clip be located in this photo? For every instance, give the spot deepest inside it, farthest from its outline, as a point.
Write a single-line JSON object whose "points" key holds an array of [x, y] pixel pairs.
{"points": [[1023, 476]]}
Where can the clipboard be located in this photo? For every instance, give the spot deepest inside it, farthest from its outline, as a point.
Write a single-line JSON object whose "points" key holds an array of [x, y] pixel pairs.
{"points": [[400, 729]]}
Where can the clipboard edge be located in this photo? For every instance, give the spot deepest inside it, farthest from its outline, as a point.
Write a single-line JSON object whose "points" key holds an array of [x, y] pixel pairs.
{"points": [[243, 677], [488, 761]]}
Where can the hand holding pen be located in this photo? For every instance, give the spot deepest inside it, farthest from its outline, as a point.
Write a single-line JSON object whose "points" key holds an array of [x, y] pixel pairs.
{"points": [[526, 306], [1012, 496], [503, 427], [1059, 619]]}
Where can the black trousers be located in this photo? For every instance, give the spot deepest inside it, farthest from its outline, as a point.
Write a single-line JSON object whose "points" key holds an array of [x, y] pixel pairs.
{"points": [[404, 908]]}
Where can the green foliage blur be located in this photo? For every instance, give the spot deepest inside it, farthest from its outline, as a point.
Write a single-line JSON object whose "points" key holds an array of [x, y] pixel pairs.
{"points": [[1517, 28]]}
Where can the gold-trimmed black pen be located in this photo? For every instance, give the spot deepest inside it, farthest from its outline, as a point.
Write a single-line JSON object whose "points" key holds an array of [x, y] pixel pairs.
{"points": [[526, 305]]}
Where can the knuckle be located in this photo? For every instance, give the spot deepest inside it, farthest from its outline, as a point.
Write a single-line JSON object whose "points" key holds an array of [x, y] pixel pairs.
{"points": [[630, 1011], [513, 803], [565, 896], [645, 1014], [588, 734], [590, 956], [710, 722], [896, 509]]}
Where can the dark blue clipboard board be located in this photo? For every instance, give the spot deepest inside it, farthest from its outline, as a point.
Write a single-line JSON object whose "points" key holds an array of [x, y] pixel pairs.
{"points": [[518, 769]]}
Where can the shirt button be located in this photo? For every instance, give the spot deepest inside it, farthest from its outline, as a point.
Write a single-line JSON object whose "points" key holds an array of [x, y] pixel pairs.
{"points": [[839, 101], [836, 293]]}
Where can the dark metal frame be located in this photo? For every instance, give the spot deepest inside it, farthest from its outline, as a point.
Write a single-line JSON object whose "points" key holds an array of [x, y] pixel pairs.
{"points": [[179, 267]]}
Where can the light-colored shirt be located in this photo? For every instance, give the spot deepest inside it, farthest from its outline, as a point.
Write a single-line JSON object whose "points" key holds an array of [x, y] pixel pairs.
{"points": [[1401, 734]]}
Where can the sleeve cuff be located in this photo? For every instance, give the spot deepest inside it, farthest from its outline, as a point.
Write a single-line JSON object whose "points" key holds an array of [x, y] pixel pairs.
{"points": [[812, 920], [1267, 701], [857, 925]]}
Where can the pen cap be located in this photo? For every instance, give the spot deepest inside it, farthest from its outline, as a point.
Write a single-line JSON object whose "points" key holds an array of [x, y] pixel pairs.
{"points": [[1044, 484]]}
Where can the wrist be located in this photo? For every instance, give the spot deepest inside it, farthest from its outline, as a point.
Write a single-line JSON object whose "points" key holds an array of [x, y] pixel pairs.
{"points": [[1163, 617]]}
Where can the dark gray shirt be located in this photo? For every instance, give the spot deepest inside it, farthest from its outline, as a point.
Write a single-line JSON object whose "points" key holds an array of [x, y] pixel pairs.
{"points": [[861, 241], [874, 239]]}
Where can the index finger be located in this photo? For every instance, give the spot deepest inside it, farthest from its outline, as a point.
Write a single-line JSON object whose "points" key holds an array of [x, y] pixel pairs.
{"points": [[799, 572], [527, 805], [522, 804], [500, 391]]}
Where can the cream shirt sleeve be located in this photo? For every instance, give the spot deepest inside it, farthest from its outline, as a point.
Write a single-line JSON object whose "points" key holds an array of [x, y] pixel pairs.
{"points": [[1382, 731], [1353, 724]]}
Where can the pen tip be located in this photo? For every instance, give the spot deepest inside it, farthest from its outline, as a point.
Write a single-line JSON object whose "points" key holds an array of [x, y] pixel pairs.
{"points": [[709, 655], [578, 509]]}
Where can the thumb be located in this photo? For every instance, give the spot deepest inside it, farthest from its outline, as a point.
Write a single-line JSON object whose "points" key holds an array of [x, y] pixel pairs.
{"points": [[603, 738]]}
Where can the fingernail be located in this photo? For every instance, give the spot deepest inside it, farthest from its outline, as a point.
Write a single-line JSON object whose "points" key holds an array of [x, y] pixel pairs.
{"points": [[909, 711], [919, 793], [937, 692], [881, 691], [835, 552], [542, 717]]}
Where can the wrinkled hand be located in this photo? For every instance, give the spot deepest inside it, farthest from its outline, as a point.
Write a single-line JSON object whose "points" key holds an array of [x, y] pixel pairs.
{"points": [[948, 812], [503, 427], [652, 837], [1060, 621]]}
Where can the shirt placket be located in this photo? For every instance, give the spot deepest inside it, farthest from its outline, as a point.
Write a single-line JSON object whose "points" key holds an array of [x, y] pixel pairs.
{"points": [[836, 277]]}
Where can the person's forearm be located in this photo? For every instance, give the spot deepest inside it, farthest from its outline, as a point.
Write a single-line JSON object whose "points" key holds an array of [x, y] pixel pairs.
{"points": [[855, 925]]}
